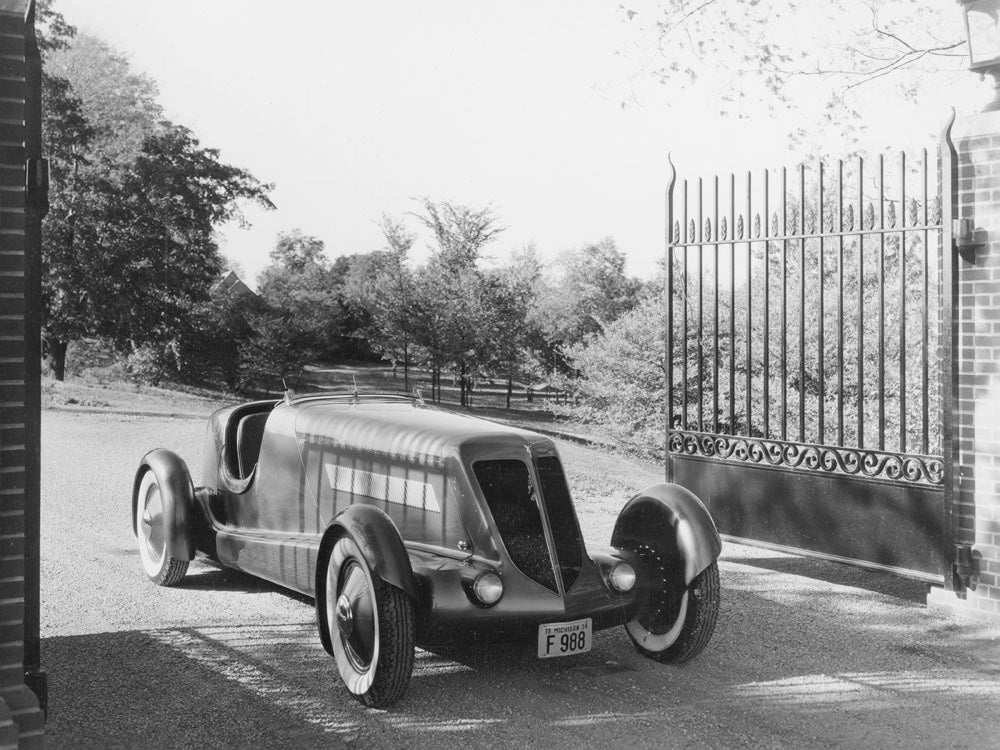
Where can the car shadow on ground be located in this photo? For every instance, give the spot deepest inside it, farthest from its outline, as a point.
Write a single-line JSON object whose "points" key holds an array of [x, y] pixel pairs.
{"points": [[877, 582], [206, 576]]}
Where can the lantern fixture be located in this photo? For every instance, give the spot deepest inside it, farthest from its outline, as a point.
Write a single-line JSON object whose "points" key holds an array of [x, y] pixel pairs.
{"points": [[982, 30]]}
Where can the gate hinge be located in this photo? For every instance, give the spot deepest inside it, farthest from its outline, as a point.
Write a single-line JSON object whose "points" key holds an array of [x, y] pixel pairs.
{"points": [[964, 568]]}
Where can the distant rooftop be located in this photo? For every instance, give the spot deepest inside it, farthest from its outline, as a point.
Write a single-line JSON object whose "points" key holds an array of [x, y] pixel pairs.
{"points": [[231, 285]]}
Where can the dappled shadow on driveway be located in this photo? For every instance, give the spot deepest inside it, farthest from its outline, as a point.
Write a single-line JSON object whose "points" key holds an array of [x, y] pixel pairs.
{"points": [[794, 663]]}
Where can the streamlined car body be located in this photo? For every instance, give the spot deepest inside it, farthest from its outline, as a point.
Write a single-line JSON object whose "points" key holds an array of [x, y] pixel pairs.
{"points": [[414, 525]]}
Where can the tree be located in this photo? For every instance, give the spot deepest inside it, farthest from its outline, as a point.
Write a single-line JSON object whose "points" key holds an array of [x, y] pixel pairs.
{"points": [[128, 249], [589, 290], [379, 290], [460, 232], [447, 292], [521, 346], [505, 329], [776, 57], [119, 104], [161, 246], [300, 289]]}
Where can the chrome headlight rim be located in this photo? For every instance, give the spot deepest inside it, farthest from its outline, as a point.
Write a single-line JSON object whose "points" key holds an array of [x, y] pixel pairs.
{"points": [[488, 588], [621, 577]]}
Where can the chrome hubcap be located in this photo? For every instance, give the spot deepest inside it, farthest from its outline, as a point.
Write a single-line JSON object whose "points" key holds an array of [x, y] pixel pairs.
{"points": [[355, 615], [151, 525], [345, 618]]}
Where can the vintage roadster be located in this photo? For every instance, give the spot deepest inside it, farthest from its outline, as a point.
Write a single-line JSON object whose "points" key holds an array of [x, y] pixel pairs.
{"points": [[414, 525]]}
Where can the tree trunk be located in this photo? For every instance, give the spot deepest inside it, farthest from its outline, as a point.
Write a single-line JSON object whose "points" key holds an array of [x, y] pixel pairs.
{"points": [[461, 386], [510, 387], [406, 366], [55, 357]]}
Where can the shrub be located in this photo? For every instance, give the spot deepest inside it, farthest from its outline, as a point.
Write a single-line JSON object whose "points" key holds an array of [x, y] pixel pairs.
{"points": [[621, 388]]}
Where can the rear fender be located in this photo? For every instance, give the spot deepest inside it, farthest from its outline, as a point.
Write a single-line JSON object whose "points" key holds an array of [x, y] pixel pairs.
{"points": [[177, 493], [382, 547], [672, 519]]}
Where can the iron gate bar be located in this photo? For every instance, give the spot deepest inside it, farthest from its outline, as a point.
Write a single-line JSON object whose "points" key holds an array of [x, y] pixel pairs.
{"points": [[669, 343], [732, 303], [767, 312], [715, 297], [701, 312], [840, 303], [784, 304], [749, 391], [684, 356], [820, 345], [802, 302], [902, 302], [861, 305], [881, 303], [925, 365]]}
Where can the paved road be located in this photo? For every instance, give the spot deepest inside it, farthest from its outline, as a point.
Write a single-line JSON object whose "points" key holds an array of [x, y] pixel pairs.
{"points": [[807, 654]]}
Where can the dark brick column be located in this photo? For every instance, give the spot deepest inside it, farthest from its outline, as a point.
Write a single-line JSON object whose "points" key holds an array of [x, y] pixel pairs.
{"points": [[21, 720]]}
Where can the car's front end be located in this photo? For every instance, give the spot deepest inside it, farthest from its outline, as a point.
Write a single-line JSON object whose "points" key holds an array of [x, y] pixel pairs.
{"points": [[526, 570]]}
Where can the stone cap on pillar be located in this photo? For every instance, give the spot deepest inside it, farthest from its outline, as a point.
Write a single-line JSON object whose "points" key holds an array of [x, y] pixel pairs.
{"points": [[979, 124]]}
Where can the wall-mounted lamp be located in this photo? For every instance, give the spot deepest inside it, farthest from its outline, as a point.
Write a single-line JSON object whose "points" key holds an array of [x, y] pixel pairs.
{"points": [[967, 238], [982, 30]]}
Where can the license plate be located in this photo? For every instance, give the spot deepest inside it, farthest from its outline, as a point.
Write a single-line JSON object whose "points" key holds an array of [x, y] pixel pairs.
{"points": [[565, 638]]}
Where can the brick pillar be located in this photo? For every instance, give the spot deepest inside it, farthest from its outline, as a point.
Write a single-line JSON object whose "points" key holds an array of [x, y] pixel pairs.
{"points": [[21, 719], [976, 416]]}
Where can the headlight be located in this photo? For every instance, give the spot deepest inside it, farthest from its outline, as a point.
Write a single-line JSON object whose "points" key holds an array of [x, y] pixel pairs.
{"points": [[622, 577], [488, 588]]}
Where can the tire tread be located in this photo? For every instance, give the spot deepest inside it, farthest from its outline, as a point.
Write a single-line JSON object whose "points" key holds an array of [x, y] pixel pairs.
{"points": [[396, 656], [702, 615], [172, 572]]}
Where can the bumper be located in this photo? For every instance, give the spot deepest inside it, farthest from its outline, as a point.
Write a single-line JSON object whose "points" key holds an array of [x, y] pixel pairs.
{"points": [[448, 613]]}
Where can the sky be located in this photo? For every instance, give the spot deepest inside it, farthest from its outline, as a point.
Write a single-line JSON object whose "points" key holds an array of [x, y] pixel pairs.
{"points": [[541, 110]]}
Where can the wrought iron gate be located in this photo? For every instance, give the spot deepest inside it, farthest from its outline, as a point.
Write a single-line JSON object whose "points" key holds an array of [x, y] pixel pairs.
{"points": [[804, 380]]}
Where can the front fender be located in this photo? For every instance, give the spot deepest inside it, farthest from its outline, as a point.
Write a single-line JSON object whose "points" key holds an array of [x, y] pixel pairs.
{"points": [[177, 494], [670, 515], [382, 546]]}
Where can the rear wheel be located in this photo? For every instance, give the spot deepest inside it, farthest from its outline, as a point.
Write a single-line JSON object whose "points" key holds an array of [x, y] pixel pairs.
{"points": [[371, 626], [150, 529], [675, 629]]}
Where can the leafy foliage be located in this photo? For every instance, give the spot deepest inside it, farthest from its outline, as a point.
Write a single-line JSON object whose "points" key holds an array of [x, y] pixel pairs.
{"points": [[622, 378], [795, 56], [298, 320], [589, 290], [129, 252]]}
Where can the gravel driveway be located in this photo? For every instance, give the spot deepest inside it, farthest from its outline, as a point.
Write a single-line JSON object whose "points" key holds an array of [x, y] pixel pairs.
{"points": [[807, 654]]}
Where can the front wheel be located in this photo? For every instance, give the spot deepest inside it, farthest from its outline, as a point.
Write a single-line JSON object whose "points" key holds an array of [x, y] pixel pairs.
{"points": [[678, 629], [371, 626], [151, 531]]}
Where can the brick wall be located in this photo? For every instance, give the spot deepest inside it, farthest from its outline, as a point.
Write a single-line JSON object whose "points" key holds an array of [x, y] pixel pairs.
{"points": [[976, 508], [21, 720]]}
